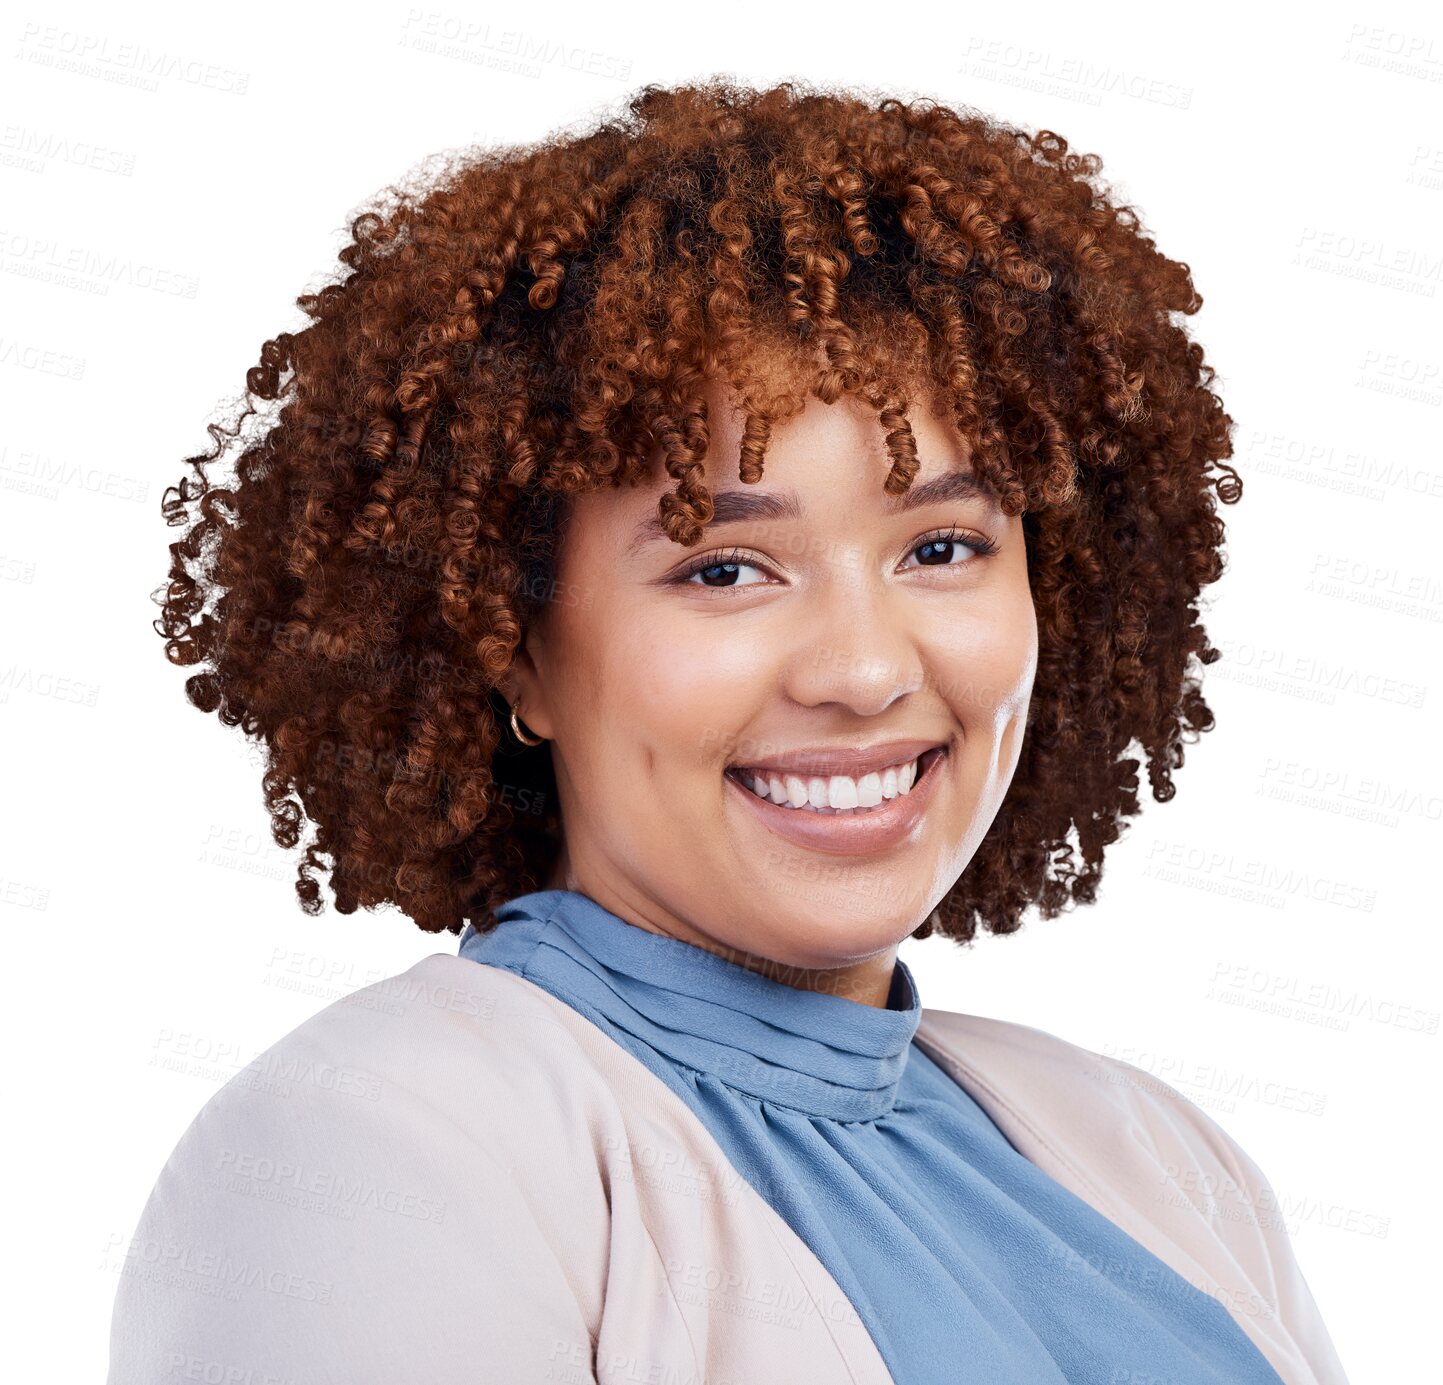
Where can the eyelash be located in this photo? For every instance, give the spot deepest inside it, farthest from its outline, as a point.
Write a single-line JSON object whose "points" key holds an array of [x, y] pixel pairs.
{"points": [[980, 545]]}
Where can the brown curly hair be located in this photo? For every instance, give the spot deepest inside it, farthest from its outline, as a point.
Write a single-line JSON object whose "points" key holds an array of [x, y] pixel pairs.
{"points": [[538, 321]]}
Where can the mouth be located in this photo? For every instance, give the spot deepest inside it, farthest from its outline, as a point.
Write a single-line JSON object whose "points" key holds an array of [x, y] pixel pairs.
{"points": [[861, 829], [836, 795]]}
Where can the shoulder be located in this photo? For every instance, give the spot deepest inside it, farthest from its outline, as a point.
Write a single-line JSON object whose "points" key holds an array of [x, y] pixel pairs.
{"points": [[458, 1059], [1026, 1067], [1151, 1159], [1100, 1099], [400, 1150], [1104, 1116], [1052, 1097]]}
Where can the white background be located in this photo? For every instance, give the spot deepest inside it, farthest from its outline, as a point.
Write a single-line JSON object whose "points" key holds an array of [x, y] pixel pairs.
{"points": [[173, 179]]}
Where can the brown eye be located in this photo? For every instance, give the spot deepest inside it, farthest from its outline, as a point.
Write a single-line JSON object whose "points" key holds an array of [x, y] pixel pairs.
{"points": [[722, 566], [942, 548], [937, 551]]}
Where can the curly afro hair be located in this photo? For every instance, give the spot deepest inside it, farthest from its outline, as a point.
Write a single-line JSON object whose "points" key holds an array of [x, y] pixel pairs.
{"points": [[538, 321]]}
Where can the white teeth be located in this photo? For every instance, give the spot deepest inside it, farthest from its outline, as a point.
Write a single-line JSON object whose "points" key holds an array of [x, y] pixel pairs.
{"points": [[835, 793], [869, 790]]}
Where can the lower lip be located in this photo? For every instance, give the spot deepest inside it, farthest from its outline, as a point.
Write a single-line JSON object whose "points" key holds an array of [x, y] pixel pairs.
{"points": [[879, 829]]}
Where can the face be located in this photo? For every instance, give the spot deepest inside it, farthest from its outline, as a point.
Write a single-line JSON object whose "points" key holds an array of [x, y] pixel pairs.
{"points": [[827, 621]]}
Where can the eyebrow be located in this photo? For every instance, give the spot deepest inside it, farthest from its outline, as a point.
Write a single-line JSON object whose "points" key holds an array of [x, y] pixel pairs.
{"points": [[734, 506]]}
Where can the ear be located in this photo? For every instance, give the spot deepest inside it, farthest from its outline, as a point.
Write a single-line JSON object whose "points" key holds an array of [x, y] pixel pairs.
{"points": [[524, 682]]}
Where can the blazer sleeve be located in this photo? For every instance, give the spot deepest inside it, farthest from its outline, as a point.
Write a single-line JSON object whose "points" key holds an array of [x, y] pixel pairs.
{"points": [[1245, 1206], [330, 1231]]}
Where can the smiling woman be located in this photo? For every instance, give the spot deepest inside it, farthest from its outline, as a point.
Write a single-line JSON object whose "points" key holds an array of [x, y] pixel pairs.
{"points": [[841, 635], [689, 559]]}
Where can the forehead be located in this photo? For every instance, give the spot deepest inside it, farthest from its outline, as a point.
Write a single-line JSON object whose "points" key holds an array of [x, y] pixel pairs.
{"points": [[767, 502], [825, 456]]}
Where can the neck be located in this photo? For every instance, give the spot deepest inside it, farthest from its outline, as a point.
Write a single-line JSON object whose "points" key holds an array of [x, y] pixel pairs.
{"points": [[817, 1054], [869, 982]]}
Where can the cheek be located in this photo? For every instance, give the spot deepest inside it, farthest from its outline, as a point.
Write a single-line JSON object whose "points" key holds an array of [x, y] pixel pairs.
{"points": [[986, 659], [660, 690]]}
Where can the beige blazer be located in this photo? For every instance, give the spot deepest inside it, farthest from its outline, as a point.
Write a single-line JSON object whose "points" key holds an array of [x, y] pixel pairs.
{"points": [[452, 1177]]}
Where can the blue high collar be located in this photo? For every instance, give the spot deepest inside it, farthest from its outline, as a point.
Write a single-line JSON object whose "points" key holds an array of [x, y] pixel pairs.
{"points": [[822, 1054]]}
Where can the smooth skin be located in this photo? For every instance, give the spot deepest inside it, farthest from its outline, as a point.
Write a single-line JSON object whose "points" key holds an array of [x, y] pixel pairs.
{"points": [[841, 627]]}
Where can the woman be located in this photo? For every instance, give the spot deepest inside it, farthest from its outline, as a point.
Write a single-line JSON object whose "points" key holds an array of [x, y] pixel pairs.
{"points": [[690, 558]]}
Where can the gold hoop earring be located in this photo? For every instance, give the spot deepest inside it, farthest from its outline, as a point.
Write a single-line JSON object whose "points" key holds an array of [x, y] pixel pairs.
{"points": [[521, 735]]}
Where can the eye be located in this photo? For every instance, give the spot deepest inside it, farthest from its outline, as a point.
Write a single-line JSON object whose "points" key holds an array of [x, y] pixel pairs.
{"points": [[941, 547], [724, 566], [719, 571]]}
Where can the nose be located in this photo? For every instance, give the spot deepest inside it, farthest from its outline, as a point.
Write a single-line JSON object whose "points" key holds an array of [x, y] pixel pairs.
{"points": [[857, 645]]}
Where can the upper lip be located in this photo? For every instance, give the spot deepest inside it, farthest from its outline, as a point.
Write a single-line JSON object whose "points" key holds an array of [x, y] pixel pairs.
{"points": [[851, 760]]}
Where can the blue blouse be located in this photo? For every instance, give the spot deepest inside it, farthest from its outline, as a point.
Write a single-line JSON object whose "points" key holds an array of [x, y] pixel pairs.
{"points": [[950, 1245]]}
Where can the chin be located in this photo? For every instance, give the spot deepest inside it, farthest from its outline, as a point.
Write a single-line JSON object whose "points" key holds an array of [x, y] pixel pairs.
{"points": [[828, 926]]}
